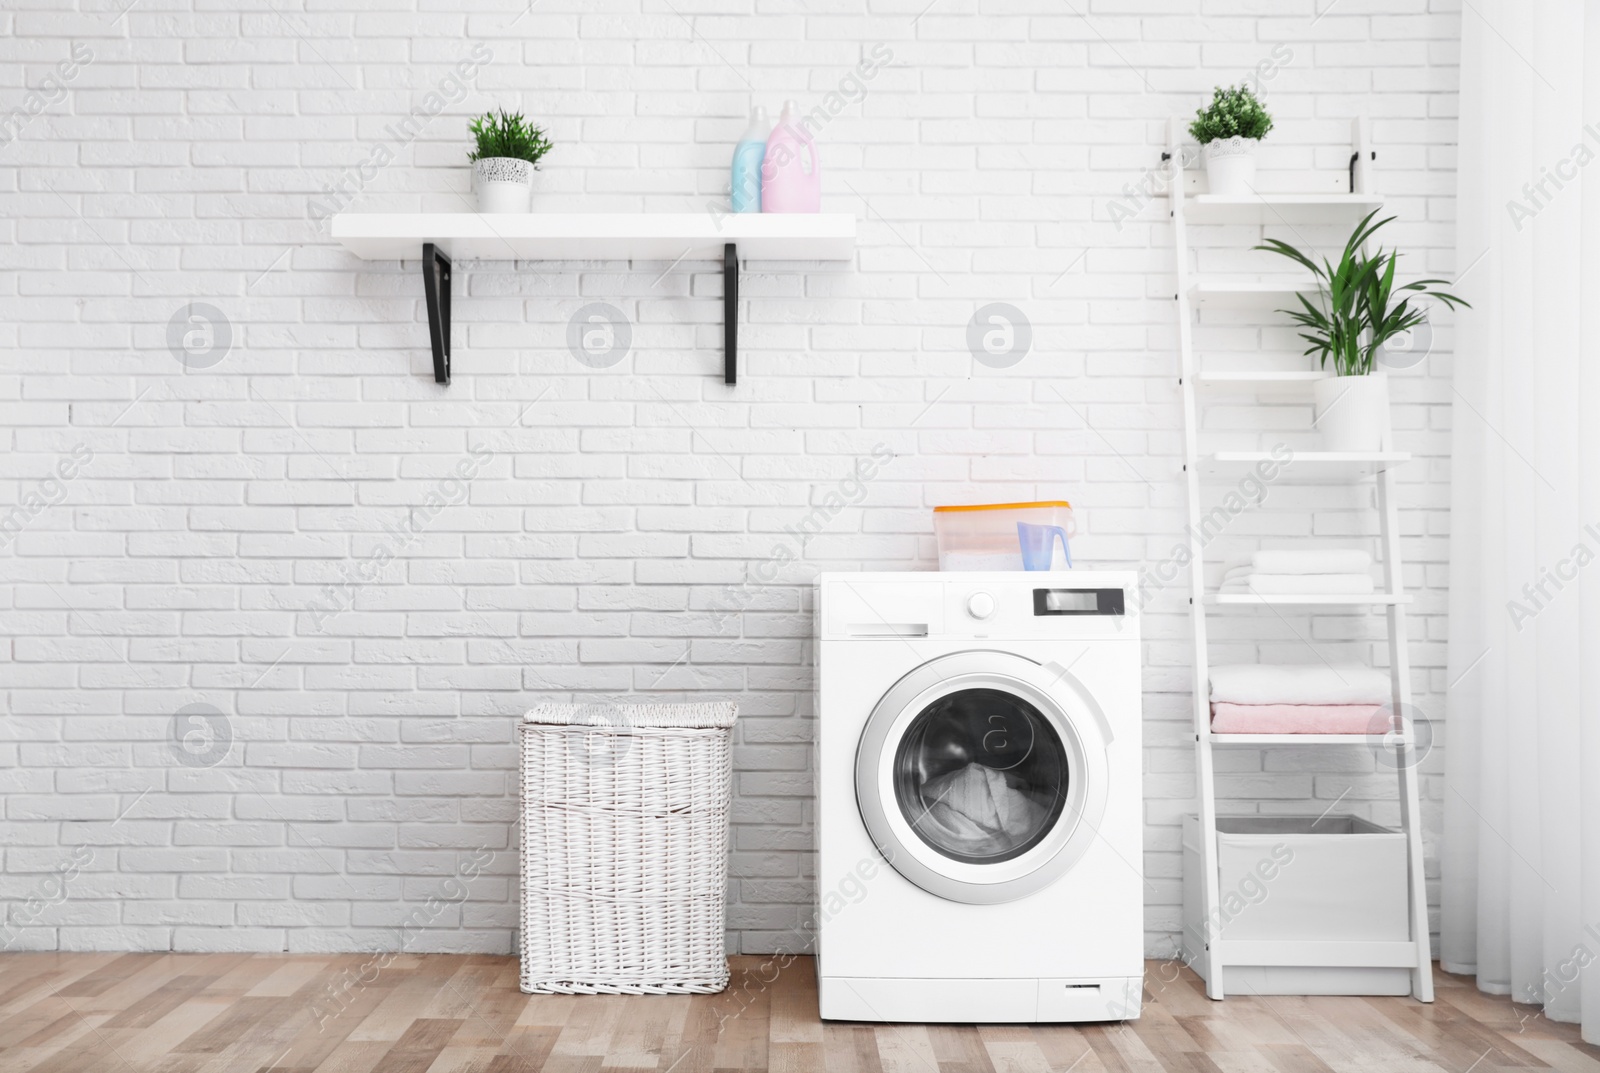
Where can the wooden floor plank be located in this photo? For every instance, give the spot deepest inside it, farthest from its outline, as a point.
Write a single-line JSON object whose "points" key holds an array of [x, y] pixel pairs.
{"points": [[37, 975], [742, 1042], [234, 1021], [794, 1003], [1165, 1038], [223, 1013], [850, 1048], [108, 975], [905, 1048], [785, 1057], [401, 998], [291, 976], [419, 1045], [642, 1029], [1063, 1046], [587, 1031], [353, 1057], [958, 1050], [485, 997], [64, 1033], [525, 1049], [1564, 1057]]}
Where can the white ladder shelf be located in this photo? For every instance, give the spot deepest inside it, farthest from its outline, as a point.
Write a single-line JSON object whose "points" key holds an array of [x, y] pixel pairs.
{"points": [[1351, 202]]}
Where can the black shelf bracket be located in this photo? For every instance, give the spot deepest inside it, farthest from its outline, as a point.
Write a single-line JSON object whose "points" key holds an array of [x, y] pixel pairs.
{"points": [[730, 313], [1353, 158], [436, 290]]}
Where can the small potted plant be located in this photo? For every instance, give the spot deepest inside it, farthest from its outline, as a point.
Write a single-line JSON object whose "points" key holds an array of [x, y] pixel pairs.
{"points": [[508, 153], [1355, 313], [1229, 130]]}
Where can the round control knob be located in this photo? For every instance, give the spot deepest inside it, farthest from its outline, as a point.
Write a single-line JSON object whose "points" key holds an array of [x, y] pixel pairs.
{"points": [[980, 605]]}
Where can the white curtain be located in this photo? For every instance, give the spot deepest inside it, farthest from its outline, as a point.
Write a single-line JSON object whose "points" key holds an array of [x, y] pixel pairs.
{"points": [[1520, 863]]}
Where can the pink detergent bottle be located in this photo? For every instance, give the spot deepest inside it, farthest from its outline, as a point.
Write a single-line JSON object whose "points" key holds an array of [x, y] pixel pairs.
{"points": [[791, 175]]}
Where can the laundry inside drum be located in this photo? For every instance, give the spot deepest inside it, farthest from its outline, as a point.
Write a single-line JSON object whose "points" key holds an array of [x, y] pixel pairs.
{"points": [[981, 775]]}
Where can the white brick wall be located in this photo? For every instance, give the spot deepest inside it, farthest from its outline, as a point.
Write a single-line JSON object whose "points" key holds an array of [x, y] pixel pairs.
{"points": [[606, 539]]}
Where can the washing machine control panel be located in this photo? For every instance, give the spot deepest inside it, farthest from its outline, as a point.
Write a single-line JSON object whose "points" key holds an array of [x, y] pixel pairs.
{"points": [[894, 607], [986, 610]]}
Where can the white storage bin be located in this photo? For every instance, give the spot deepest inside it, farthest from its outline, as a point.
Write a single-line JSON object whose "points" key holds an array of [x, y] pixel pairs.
{"points": [[1340, 878], [625, 848]]}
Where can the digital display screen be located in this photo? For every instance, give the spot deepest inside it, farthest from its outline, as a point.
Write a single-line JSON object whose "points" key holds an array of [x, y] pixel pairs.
{"points": [[1078, 602], [1061, 600]]}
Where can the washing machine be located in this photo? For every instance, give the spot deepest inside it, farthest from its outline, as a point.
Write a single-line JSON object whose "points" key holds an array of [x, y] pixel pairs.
{"points": [[978, 808]]}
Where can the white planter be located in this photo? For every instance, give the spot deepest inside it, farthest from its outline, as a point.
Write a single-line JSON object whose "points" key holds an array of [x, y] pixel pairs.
{"points": [[1352, 412], [503, 184], [1231, 165]]}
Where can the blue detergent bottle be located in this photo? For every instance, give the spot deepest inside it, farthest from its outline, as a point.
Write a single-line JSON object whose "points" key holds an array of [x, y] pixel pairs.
{"points": [[748, 156]]}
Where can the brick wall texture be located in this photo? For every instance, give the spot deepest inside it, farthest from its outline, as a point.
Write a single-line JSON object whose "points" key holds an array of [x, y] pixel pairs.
{"points": [[273, 601]]}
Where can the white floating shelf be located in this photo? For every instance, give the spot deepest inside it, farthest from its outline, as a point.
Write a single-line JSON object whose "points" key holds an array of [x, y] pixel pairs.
{"points": [[1280, 208], [1304, 467], [1254, 599], [1217, 292], [1265, 382], [654, 236], [435, 238]]}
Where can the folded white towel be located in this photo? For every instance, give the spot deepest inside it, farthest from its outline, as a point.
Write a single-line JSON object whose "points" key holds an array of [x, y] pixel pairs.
{"points": [[1300, 584], [1299, 683], [1312, 561]]}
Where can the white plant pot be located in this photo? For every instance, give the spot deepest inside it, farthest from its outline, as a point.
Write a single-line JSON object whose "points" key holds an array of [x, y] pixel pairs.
{"points": [[1352, 412], [1231, 165], [503, 184]]}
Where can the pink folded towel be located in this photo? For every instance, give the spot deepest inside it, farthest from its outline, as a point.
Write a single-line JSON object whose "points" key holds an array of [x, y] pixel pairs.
{"points": [[1298, 718]]}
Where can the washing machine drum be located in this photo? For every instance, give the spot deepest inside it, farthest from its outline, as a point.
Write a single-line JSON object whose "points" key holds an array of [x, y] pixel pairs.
{"points": [[981, 776]]}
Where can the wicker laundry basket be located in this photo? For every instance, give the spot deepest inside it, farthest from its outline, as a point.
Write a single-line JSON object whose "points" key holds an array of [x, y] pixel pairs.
{"points": [[625, 848]]}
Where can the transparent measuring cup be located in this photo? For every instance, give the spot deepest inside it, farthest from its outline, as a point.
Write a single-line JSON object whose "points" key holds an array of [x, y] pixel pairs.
{"points": [[1038, 545]]}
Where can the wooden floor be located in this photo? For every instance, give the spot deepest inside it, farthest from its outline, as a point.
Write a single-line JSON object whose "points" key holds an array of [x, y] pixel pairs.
{"points": [[177, 1013]]}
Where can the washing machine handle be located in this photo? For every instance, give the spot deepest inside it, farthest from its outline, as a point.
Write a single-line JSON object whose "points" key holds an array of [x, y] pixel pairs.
{"points": [[1058, 673]]}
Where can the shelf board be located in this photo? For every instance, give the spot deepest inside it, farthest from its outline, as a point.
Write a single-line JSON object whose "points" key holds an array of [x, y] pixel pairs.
{"points": [[437, 238], [655, 236], [1280, 208], [1357, 953], [1220, 292], [1252, 599], [1300, 739], [1304, 467], [1260, 383]]}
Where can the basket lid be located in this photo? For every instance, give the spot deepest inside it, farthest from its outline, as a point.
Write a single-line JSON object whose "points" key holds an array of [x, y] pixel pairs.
{"points": [[621, 716], [1008, 506]]}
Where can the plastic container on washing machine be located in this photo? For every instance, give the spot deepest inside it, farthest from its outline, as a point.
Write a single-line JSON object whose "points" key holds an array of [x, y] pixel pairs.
{"points": [[986, 536]]}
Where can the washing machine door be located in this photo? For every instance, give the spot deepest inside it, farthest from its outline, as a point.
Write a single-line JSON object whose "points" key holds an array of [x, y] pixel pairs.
{"points": [[981, 776]]}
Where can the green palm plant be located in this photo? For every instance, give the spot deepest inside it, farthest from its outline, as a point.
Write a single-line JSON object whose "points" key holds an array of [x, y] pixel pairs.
{"points": [[1356, 310]]}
